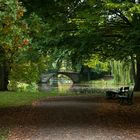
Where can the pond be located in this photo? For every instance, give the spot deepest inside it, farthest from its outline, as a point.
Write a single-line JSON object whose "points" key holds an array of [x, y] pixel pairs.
{"points": [[65, 85]]}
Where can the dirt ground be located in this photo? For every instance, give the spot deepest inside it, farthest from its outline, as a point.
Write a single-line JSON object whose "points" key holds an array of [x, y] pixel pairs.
{"points": [[73, 118]]}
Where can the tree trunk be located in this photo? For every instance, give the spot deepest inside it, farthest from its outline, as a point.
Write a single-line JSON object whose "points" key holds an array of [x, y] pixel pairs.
{"points": [[4, 71], [137, 82], [3, 77], [133, 70]]}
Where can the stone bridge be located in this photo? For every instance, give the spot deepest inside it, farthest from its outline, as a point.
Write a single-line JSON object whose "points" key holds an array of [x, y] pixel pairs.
{"points": [[74, 76]]}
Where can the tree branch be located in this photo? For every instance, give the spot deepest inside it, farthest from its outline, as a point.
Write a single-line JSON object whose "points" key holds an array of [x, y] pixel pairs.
{"points": [[121, 15]]}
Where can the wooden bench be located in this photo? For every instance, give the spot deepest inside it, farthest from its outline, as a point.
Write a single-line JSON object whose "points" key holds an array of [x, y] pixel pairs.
{"points": [[126, 98], [114, 94], [110, 94]]}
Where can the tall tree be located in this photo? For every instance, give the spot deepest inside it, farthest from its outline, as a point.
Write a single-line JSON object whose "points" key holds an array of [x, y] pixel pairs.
{"points": [[12, 36]]}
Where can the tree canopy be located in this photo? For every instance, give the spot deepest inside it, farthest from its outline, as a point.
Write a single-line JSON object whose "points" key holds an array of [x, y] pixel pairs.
{"points": [[87, 27], [76, 28]]}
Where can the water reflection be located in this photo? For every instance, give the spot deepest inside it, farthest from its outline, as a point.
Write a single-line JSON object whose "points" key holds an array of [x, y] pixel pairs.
{"points": [[72, 88], [65, 85], [59, 83]]}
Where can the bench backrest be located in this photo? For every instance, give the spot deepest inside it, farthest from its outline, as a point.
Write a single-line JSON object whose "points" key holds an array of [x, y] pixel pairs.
{"points": [[126, 88], [121, 89]]}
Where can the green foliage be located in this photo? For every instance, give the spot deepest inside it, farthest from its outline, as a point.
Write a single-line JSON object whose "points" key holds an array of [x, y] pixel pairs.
{"points": [[12, 28], [27, 72], [121, 72], [108, 29], [87, 27], [98, 65]]}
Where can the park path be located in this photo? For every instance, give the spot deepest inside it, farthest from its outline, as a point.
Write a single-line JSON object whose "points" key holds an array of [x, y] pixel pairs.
{"points": [[73, 118]]}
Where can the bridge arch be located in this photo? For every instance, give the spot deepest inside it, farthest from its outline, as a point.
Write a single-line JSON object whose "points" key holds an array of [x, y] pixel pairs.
{"points": [[74, 76]]}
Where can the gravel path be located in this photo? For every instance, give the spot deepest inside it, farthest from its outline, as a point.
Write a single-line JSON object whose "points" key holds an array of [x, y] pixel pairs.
{"points": [[73, 118]]}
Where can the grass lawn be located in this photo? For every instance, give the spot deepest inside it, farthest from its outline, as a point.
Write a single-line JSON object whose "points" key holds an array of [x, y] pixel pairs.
{"points": [[8, 99], [12, 99]]}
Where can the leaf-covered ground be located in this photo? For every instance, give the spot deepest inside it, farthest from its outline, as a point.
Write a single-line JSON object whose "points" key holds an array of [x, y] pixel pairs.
{"points": [[72, 118]]}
